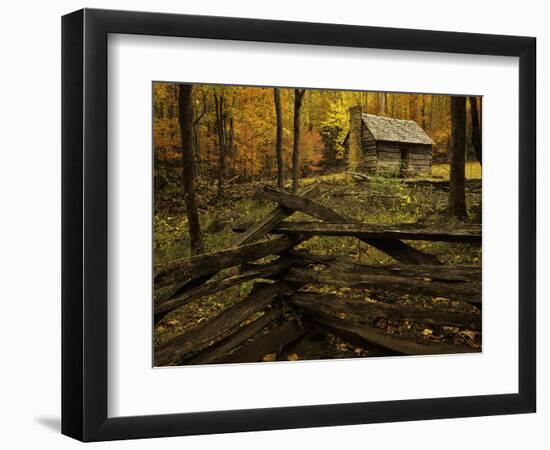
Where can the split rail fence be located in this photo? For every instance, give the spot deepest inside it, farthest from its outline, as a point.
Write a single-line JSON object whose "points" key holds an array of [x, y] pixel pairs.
{"points": [[232, 336]]}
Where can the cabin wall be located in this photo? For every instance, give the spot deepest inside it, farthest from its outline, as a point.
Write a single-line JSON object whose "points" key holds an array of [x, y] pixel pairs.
{"points": [[420, 160], [417, 162], [370, 158], [389, 159]]}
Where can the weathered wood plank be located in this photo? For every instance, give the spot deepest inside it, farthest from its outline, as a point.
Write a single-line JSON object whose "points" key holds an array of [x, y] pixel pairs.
{"points": [[423, 232], [208, 332], [221, 349], [297, 203], [393, 247], [428, 281], [163, 307], [262, 227], [420, 162], [393, 155], [208, 263], [420, 157], [358, 310], [345, 263], [415, 166], [450, 274], [359, 333], [272, 342]]}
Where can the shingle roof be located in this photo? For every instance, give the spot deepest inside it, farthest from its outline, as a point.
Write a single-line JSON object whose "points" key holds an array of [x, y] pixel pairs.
{"points": [[396, 130]]}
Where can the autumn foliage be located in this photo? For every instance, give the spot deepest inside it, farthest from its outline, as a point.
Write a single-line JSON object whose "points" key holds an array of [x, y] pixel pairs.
{"points": [[251, 128]]}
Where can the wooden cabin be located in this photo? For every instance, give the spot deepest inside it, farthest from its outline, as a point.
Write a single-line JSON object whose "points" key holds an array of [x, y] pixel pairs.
{"points": [[387, 146]]}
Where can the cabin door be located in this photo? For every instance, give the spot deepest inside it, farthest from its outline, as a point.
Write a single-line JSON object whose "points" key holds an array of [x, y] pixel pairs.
{"points": [[404, 161]]}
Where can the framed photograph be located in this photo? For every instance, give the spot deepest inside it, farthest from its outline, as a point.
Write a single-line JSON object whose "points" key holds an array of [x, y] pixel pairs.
{"points": [[273, 225]]}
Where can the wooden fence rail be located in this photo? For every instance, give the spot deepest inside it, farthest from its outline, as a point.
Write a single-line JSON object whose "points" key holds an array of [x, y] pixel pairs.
{"points": [[359, 310], [256, 326], [466, 290], [413, 232], [393, 247]]}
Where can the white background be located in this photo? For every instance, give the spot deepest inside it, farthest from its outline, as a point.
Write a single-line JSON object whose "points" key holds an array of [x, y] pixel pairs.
{"points": [[135, 389], [30, 196]]}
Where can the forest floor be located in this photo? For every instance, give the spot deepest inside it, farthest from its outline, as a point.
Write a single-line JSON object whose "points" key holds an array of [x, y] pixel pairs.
{"points": [[380, 201]]}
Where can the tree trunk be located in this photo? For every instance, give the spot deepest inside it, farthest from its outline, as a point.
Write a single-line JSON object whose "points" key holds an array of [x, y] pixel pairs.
{"points": [[298, 96], [219, 103], [432, 105], [196, 151], [383, 98], [230, 145], [196, 139], [423, 111], [185, 117], [279, 143], [413, 107], [457, 193], [476, 127]]}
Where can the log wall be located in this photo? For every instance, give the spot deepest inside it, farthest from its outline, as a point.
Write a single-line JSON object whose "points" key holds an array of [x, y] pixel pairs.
{"points": [[389, 159], [370, 158], [384, 158], [420, 160]]}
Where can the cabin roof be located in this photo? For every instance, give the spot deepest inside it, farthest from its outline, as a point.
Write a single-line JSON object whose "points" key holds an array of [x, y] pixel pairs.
{"points": [[396, 130]]}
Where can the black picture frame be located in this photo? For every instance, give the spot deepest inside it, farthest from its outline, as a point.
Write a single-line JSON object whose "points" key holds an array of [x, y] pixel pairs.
{"points": [[84, 224]]}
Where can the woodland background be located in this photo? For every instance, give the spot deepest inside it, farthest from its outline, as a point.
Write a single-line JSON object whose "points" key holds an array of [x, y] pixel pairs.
{"points": [[246, 116], [216, 146]]}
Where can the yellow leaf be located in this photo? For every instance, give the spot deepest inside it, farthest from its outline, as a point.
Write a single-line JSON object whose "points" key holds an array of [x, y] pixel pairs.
{"points": [[427, 332], [293, 357], [269, 357]]}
